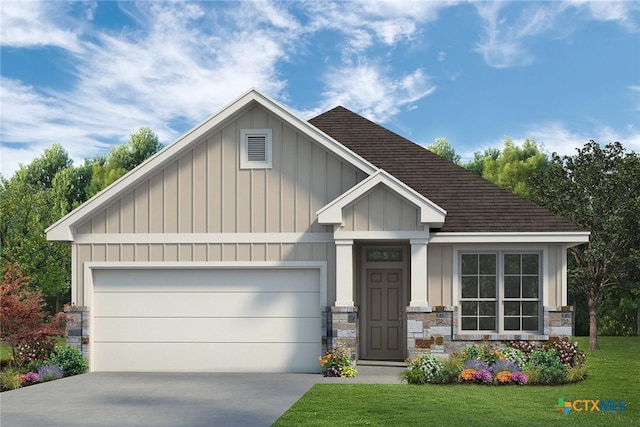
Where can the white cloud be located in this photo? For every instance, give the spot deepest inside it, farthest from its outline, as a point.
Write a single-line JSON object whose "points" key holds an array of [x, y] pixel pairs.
{"points": [[557, 137], [502, 44], [621, 12], [33, 24], [367, 90]]}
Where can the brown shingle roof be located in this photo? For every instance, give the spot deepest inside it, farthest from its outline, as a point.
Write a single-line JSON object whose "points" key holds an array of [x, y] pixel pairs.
{"points": [[473, 204]]}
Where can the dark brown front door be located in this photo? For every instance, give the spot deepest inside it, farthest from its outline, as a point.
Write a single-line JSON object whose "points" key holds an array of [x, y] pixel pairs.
{"points": [[384, 322]]}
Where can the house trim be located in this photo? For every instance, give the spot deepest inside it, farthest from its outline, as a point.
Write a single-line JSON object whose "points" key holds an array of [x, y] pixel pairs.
{"points": [[430, 213], [186, 238], [572, 238]]}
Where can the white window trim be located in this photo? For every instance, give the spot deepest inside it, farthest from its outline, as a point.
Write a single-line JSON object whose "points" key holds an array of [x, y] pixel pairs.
{"points": [[500, 252], [245, 163]]}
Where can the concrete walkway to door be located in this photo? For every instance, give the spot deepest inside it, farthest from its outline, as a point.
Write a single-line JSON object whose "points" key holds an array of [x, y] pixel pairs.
{"points": [[168, 399]]}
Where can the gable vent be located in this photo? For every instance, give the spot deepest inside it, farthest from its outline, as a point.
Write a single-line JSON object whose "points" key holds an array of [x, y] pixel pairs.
{"points": [[256, 148]]}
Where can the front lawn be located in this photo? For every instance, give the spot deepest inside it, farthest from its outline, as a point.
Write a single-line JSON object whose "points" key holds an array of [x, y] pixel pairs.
{"points": [[614, 374]]}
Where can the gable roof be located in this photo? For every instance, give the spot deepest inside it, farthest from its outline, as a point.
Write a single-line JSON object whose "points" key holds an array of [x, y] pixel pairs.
{"points": [[430, 213], [62, 230], [472, 203]]}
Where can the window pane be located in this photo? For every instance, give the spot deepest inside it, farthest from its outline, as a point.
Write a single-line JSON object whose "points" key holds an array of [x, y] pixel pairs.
{"points": [[487, 323], [512, 308], [488, 264], [469, 264], [530, 287], [469, 308], [469, 324], [530, 264], [384, 254], [470, 287], [512, 323], [487, 287], [512, 286], [530, 323], [529, 308], [487, 308], [512, 264]]}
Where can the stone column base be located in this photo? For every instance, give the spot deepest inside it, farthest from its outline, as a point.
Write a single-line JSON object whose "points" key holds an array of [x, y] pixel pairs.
{"points": [[77, 329], [342, 325]]}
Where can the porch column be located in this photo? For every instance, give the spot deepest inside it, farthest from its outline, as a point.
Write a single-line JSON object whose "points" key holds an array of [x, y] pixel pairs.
{"points": [[344, 273], [419, 293]]}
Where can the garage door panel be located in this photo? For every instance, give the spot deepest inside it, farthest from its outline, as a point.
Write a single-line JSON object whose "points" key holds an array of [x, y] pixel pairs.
{"points": [[197, 280], [218, 330], [206, 357], [261, 304], [206, 319]]}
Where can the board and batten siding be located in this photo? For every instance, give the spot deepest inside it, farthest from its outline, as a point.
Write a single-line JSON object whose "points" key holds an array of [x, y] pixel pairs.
{"points": [[554, 277], [381, 210], [205, 191], [440, 274]]}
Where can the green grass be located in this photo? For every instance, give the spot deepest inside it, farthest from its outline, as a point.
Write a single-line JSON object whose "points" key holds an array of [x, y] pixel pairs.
{"points": [[614, 374]]}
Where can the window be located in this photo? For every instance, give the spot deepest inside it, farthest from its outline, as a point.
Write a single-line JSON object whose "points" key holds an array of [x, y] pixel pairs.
{"points": [[384, 255], [500, 292], [255, 152]]}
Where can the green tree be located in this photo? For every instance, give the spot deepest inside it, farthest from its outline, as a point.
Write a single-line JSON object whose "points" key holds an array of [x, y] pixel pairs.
{"points": [[109, 168], [598, 188], [476, 165], [442, 148], [515, 165]]}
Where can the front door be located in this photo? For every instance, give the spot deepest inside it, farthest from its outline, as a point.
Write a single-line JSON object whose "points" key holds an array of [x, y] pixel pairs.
{"points": [[384, 309]]}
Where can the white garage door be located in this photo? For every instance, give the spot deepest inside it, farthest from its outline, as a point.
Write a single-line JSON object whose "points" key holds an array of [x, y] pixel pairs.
{"points": [[231, 320]]}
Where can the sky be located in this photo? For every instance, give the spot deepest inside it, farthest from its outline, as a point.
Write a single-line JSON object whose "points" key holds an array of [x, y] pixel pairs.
{"points": [[89, 74]]}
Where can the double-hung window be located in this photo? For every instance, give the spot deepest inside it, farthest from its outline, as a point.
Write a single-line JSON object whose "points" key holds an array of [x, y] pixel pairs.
{"points": [[500, 292]]}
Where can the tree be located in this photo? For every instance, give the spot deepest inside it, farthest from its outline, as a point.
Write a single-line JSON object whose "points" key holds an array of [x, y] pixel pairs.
{"points": [[477, 164], [599, 189], [514, 166], [22, 317], [27, 207], [109, 168], [442, 148]]}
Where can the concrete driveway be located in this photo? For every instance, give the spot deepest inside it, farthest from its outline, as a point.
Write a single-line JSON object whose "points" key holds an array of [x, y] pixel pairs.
{"points": [[166, 399]]}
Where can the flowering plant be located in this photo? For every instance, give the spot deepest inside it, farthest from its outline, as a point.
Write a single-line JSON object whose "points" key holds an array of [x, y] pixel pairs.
{"points": [[30, 378], [336, 363], [483, 376], [568, 353], [50, 372]]}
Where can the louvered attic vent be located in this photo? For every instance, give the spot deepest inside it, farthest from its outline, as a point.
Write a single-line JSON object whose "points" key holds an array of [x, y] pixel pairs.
{"points": [[255, 149]]}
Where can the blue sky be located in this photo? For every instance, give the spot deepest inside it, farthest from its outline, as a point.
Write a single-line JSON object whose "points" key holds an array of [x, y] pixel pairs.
{"points": [[88, 74]]}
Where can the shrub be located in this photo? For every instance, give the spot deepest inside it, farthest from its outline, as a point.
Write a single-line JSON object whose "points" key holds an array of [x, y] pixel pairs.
{"points": [[35, 351], [526, 347], [557, 374], [336, 363], [577, 373], [50, 373], [568, 353], [70, 360], [9, 379], [423, 369], [451, 369], [515, 355]]}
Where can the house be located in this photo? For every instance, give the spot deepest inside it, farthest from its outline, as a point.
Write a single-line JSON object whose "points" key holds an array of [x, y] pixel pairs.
{"points": [[257, 240]]}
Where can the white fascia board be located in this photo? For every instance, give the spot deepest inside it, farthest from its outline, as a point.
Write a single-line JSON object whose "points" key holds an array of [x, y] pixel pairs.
{"points": [[571, 238], [62, 229], [430, 213]]}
